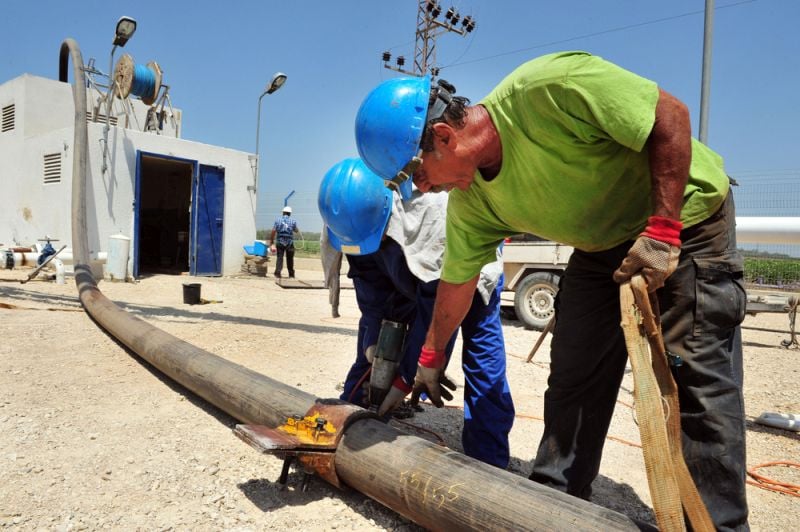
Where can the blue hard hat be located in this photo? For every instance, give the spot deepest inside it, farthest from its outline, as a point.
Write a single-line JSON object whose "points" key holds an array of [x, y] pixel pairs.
{"points": [[355, 205], [389, 126]]}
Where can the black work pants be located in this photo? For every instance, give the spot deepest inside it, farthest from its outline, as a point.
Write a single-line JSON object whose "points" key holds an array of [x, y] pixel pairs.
{"points": [[289, 251], [702, 305]]}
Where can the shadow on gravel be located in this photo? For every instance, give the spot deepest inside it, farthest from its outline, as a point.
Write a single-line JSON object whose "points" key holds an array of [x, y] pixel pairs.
{"points": [[623, 499], [269, 495], [182, 312], [752, 426]]}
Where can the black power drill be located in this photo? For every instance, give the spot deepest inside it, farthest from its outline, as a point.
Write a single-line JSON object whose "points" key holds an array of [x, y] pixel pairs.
{"points": [[388, 353]]}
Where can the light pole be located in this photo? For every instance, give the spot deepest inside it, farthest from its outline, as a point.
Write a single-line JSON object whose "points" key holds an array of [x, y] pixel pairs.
{"points": [[126, 27], [277, 82], [705, 87]]}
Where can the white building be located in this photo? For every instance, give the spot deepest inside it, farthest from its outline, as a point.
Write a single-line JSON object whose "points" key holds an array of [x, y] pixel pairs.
{"points": [[187, 206]]}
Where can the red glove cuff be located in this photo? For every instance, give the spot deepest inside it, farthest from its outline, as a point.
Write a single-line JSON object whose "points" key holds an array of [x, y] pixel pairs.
{"points": [[664, 230], [401, 385], [430, 358]]}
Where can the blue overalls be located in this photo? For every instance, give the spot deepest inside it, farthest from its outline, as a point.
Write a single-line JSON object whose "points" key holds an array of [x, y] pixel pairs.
{"points": [[385, 288]]}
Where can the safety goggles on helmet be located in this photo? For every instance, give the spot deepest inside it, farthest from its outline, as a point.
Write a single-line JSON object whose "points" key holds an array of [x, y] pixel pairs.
{"points": [[355, 206], [390, 124]]}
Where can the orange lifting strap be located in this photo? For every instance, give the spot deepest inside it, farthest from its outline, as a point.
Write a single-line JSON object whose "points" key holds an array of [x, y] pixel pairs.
{"points": [[671, 485]]}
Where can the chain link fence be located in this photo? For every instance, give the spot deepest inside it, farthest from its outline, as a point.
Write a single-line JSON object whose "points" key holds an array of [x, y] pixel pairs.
{"points": [[770, 194]]}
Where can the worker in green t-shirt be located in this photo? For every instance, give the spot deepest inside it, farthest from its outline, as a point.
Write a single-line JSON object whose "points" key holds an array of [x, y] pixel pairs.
{"points": [[575, 149]]}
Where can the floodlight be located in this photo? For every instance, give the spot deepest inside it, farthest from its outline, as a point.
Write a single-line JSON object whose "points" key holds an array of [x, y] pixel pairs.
{"points": [[277, 82], [126, 26]]}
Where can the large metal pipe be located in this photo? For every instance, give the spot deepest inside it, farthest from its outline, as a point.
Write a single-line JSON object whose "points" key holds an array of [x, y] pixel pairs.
{"points": [[435, 487], [768, 230], [11, 259]]}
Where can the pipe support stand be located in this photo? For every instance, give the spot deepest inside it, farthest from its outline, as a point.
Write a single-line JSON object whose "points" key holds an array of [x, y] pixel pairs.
{"points": [[311, 439]]}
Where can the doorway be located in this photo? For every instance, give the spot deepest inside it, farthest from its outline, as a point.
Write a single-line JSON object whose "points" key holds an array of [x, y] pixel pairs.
{"points": [[162, 214]]}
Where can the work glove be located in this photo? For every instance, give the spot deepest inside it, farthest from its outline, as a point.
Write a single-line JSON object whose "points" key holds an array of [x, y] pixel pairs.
{"points": [[429, 378], [395, 396], [273, 249], [442, 387], [654, 254]]}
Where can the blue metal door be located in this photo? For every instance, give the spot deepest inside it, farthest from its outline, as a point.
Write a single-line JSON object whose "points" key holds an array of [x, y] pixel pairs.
{"points": [[208, 204]]}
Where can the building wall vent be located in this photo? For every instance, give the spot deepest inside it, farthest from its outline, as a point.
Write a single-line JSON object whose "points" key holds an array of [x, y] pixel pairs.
{"points": [[8, 118], [52, 168], [101, 119]]}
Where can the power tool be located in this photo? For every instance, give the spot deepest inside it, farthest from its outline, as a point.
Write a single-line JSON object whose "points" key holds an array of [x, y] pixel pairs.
{"points": [[388, 354]]}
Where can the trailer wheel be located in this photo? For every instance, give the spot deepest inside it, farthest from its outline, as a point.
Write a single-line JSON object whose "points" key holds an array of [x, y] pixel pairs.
{"points": [[534, 299]]}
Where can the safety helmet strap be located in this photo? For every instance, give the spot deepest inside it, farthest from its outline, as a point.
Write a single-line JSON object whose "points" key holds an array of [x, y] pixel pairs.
{"points": [[441, 96], [405, 173]]}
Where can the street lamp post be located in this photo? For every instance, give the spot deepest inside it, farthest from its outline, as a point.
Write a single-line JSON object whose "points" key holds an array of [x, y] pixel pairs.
{"points": [[277, 82], [705, 87], [126, 27]]}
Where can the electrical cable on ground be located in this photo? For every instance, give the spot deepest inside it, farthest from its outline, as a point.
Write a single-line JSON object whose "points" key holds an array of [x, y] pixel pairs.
{"points": [[303, 240], [770, 484]]}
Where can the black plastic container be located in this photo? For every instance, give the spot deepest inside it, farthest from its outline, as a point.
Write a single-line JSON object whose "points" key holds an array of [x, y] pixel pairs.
{"points": [[191, 293]]}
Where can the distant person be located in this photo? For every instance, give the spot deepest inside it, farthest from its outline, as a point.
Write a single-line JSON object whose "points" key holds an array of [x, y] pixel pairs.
{"points": [[284, 229]]}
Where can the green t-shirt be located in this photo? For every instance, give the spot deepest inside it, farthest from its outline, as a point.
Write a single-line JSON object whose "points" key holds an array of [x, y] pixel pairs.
{"points": [[575, 167]]}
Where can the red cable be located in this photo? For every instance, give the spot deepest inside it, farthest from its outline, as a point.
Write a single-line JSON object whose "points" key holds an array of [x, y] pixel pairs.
{"points": [[773, 485], [358, 384]]}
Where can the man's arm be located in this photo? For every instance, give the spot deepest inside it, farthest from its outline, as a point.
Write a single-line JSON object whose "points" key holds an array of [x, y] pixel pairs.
{"points": [[452, 304], [670, 151], [656, 252]]}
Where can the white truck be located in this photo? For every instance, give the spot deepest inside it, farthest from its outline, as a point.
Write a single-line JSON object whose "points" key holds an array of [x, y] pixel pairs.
{"points": [[532, 268]]}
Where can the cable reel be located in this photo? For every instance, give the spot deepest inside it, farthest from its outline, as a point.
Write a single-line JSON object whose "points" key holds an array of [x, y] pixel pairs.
{"points": [[143, 81]]}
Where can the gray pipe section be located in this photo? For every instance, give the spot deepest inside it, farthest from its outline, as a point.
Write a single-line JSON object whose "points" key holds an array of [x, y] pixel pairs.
{"points": [[80, 154], [783, 230], [431, 485]]}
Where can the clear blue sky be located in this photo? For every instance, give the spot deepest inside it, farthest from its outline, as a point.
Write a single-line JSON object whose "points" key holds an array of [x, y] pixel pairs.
{"points": [[217, 57]]}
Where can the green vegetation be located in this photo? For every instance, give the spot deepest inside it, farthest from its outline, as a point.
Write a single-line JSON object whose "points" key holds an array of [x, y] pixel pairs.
{"points": [[761, 268], [771, 269], [307, 246]]}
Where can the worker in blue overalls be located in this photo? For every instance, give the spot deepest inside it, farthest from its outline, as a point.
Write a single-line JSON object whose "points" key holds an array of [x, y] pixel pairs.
{"points": [[394, 245]]}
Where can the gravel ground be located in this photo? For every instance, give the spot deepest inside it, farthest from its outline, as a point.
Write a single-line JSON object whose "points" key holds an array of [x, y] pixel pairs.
{"points": [[92, 437]]}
